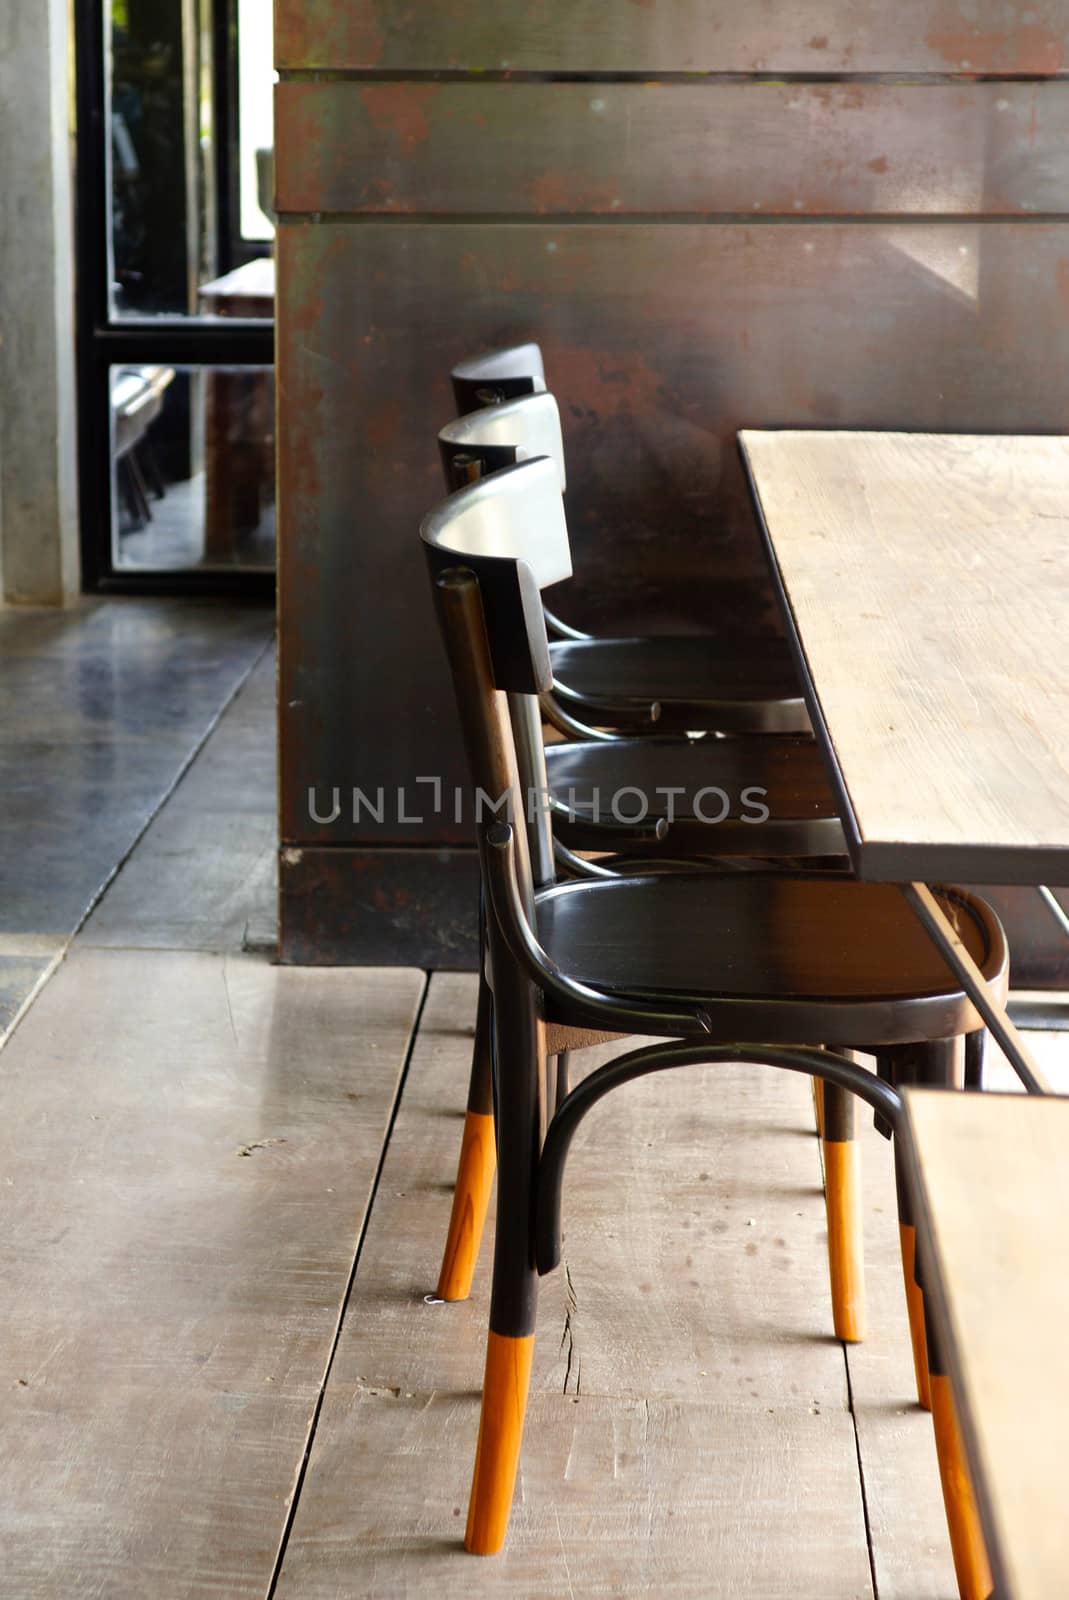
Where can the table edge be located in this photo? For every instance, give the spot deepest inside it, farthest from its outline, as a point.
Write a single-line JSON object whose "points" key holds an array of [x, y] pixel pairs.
{"points": [[937, 1306], [855, 844], [890, 860]]}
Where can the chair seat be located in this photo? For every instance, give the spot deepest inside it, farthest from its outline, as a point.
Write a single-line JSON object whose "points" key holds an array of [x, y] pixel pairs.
{"points": [[698, 682], [776, 960], [716, 789]]}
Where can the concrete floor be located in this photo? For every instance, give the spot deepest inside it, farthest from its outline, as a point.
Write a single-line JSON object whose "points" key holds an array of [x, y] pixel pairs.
{"points": [[105, 706], [225, 1184], [174, 539]]}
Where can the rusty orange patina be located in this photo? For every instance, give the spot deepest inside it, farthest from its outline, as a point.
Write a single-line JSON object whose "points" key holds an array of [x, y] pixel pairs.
{"points": [[401, 109], [1032, 47], [566, 191], [1063, 284], [322, 36]]}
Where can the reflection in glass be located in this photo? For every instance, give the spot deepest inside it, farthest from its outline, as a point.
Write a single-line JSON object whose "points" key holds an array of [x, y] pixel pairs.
{"points": [[255, 118], [162, 200], [166, 214], [193, 454]]}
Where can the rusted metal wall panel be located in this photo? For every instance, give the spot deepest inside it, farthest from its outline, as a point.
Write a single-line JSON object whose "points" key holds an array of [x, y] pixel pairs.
{"points": [[694, 255], [1027, 37], [661, 341], [373, 908], [676, 148]]}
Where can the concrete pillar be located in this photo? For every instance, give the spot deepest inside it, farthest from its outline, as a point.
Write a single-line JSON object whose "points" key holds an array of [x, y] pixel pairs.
{"points": [[38, 483]]}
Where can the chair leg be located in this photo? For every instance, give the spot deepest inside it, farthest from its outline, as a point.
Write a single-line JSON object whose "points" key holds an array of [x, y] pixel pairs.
{"points": [[975, 1058], [563, 1082], [818, 1105], [150, 467], [842, 1189], [904, 1066], [510, 1341], [943, 1063], [907, 1239], [497, 1456], [967, 1546], [938, 1063], [475, 1169], [138, 482]]}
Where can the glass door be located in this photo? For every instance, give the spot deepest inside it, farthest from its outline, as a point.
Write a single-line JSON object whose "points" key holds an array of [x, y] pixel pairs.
{"points": [[176, 294]]}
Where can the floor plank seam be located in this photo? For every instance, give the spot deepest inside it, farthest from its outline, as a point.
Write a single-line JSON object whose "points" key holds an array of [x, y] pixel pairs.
{"points": [[861, 1475], [8, 1033], [56, 961], [171, 789], [302, 1470]]}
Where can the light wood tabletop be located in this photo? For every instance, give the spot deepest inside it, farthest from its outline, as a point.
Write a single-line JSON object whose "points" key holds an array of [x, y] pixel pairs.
{"points": [[991, 1174], [925, 578], [255, 280]]}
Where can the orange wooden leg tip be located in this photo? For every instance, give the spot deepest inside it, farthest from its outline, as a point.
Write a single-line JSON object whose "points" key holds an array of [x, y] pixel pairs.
{"points": [[475, 1177], [907, 1235], [508, 1375], [846, 1259], [818, 1104], [971, 1565]]}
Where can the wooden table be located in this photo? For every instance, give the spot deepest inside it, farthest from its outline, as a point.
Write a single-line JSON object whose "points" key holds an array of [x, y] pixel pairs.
{"points": [[248, 291], [924, 580], [925, 583], [239, 424], [999, 1291]]}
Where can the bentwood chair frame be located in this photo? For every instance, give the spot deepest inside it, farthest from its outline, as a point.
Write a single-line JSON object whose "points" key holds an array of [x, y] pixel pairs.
{"points": [[488, 605], [728, 682], [801, 828], [769, 793], [492, 435]]}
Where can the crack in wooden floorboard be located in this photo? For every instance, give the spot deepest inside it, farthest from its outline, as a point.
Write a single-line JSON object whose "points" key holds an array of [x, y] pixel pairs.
{"points": [[568, 1336], [861, 1475]]}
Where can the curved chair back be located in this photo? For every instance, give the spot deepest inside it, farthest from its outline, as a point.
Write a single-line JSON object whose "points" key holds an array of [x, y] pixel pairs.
{"points": [[498, 436], [486, 594], [515, 514], [496, 375]]}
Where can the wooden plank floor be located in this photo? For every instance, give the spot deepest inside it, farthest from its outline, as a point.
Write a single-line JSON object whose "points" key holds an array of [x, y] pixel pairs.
{"points": [[689, 1430], [188, 1146], [175, 1279], [190, 1171]]}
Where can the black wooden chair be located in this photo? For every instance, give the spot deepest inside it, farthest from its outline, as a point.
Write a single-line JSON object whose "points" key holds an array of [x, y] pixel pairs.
{"points": [[729, 681], [497, 435], [808, 967], [717, 802], [669, 796], [801, 828]]}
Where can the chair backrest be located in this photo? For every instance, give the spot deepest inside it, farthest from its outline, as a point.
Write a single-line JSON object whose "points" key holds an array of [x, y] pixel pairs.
{"points": [[506, 520], [496, 375], [498, 436], [509, 529], [495, 633]]}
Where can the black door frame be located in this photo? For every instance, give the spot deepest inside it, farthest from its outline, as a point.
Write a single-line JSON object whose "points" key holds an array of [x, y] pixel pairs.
{"points": [[103, 340]]}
